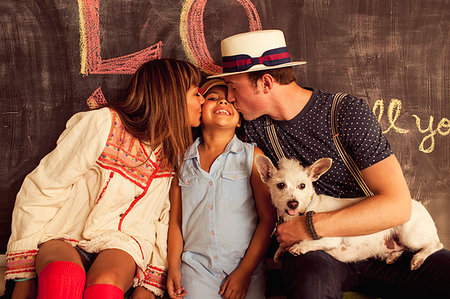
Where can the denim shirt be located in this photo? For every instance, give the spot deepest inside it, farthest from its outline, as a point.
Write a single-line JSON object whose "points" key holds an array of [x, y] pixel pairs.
{"points": [[218, 210]]}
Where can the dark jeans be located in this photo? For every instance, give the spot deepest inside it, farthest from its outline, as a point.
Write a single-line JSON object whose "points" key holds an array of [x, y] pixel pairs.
{"points": [[319, 275]]}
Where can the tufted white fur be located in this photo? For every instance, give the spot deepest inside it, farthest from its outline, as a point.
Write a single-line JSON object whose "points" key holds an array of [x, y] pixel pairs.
{"points": [[293, 193]]}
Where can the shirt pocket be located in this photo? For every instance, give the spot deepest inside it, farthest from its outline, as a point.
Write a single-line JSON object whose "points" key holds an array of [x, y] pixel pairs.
{"points": [[234, 184], [189, 189]]}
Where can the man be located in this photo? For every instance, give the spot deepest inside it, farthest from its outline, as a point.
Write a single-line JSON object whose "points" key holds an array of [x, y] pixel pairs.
{"points": [[261, 81]]}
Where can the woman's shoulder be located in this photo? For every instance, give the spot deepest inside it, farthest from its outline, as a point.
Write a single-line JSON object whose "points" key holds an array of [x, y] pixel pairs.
{"points": [[97, 116]]}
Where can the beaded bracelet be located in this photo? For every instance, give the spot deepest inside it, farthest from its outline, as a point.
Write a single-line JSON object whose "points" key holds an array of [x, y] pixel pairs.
{"points": [[21, 279], [310, 225]]}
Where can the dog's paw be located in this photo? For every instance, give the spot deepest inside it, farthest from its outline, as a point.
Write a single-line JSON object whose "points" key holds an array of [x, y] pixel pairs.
{"points": [[416, 262], [300, 248], [278, 254], [393, 256]]}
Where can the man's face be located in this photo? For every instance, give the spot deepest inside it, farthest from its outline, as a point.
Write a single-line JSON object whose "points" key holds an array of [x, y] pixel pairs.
{"points": [[246, 98]]}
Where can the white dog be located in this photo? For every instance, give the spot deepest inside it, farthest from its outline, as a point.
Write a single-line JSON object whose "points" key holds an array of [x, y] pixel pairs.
{"points": [[293, 193]]}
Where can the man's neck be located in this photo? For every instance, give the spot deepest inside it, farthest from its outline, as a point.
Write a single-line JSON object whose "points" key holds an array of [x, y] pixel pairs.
{"points": [[288, 101]]}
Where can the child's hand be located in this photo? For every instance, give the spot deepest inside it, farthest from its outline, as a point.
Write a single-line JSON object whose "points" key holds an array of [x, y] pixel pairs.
{"points": [[174, 287], [142, 293], [235, 285]]}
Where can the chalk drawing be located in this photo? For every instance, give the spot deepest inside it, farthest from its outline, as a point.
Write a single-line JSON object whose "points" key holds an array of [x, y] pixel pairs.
{"points": [[193, 37], [194, 44], [91, 60], [96, 100], [393, 113], [394, 105], [443, 128]]}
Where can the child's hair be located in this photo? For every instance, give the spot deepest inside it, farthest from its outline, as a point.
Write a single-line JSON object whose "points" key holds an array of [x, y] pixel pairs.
{"points": [[155, 110], [204, 88]]}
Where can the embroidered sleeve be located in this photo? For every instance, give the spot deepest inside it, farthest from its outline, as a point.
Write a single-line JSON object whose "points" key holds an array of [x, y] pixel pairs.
{"points": [[20, 265], [153, 279], [47, 187]]}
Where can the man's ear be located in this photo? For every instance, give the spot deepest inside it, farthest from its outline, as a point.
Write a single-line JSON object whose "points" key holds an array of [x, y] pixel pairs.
{"points": [[267, 82]]}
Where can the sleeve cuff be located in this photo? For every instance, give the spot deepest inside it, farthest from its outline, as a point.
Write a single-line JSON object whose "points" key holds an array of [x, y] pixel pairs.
{"points": [[20, 265], [153, 279]]}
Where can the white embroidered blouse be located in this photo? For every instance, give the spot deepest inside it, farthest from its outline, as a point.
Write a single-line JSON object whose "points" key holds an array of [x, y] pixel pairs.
{"points": [[99, 188]]}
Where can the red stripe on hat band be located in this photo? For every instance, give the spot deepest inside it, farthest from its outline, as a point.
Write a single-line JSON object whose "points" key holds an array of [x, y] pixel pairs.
{"points": [[260, 60]]}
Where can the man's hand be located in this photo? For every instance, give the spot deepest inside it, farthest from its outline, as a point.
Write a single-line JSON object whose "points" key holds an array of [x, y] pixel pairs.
{"points": [[291, 232], [236, 285]]}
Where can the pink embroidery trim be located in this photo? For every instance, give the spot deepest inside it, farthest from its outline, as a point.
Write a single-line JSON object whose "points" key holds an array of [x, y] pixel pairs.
{"points": [[155, 277], [117, 155], [21, 262]]}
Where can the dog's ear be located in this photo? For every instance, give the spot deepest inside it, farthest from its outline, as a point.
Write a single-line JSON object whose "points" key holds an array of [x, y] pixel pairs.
{"points": [[264, 167], [318, 168]]}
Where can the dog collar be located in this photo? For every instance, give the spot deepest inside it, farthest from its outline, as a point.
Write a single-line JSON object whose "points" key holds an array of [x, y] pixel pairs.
{"points": [[279, 221]]}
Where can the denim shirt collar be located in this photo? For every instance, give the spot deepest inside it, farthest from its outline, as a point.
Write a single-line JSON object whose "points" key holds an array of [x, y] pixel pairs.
{"points": [[235, 145]]}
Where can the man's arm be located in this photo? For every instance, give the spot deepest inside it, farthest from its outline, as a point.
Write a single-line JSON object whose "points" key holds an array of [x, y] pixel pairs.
{"points": [[390, 206]]}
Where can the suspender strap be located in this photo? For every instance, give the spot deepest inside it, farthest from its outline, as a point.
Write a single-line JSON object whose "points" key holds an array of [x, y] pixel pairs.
{"points": [[349, 162], [272, 134]]}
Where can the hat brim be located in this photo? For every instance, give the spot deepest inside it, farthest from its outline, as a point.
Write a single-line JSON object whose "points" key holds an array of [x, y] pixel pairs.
{"points": [[259, 67], [210, 84]]}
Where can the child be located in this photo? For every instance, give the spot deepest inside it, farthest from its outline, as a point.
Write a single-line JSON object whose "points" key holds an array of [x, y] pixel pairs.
{"points": [[99, 201], [221, 216]]}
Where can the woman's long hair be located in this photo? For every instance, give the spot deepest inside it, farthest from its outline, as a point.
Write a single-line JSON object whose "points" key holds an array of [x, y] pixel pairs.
{"points": [[155, 110]]}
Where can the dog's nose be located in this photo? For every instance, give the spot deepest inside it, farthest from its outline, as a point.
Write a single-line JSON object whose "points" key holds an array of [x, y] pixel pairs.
{"points": [[292, 204]]}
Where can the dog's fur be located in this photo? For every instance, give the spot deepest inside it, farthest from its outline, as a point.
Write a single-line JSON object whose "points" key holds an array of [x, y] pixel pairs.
{"points": [[293, 193]]}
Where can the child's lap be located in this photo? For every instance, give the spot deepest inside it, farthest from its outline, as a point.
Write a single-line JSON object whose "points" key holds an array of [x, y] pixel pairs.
{"points": [[201, 283]]}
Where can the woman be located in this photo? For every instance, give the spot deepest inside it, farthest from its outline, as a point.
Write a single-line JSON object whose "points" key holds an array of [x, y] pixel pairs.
{"points": [[99, 201]]}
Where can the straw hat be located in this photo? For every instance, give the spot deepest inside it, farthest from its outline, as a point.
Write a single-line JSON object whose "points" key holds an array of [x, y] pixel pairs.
{"points": [[254, 51]]}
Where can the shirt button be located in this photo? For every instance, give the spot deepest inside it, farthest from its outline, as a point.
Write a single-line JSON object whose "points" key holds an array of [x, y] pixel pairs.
{"points": [[211, 207], [216, 257], [234, 176], [121, 215], [221, 276], [212, 232], [210, 183]]}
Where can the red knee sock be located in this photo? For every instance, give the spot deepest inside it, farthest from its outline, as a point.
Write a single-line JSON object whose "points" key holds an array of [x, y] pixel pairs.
{"points": [[61, 280], [103, 291]]}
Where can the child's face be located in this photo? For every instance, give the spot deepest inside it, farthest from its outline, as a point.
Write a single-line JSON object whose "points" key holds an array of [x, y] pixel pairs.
{"points": [[217, 111]]}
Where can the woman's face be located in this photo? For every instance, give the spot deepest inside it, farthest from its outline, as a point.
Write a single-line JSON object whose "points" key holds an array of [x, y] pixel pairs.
{"points": [[194, 101], [217, 111]]}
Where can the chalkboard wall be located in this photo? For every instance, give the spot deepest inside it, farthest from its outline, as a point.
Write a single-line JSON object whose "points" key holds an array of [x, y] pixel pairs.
{"points": [[57, 55]]}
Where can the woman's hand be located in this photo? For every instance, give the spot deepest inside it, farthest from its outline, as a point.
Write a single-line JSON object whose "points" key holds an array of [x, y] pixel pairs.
{"points": [[236, 285], [142, 293], [25, 289]]}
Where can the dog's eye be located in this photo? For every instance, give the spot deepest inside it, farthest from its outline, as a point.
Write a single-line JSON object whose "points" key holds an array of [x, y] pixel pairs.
{"points": [[301, 186], [281, 185]]}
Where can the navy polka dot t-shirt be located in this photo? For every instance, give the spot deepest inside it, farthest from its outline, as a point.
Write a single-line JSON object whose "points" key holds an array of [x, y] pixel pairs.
{"points": [[307, 137]]}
